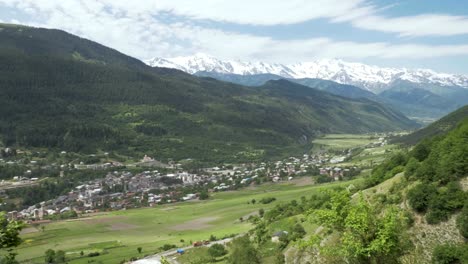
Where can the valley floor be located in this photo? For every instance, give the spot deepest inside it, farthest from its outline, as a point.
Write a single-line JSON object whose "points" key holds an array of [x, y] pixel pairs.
{"points": [[117, 235]]}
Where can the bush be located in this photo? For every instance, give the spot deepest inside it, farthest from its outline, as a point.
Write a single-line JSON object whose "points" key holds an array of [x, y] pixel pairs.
{"points": [[450, 254], [217, 250], [243, 252], [436, 216], [261, 212], [411, 167], [94, 254], [267, 200], [324, 179], [445, 202], [420, 196], [204, 195], [166, 247], [462, 221]]}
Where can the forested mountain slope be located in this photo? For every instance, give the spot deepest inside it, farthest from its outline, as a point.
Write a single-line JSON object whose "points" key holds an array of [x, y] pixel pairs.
{"points": [[439, 127], [64, 92]]}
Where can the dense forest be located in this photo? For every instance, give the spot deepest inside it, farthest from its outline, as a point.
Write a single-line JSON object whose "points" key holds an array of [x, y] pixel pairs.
{"points": [[63, 92]]}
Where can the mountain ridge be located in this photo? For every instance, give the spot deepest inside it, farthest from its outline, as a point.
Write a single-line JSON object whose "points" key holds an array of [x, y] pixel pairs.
{"points": [[63, 92], [372, 78]]}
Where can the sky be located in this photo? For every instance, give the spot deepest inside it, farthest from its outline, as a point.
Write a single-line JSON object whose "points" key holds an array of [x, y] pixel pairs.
{"points": [[412, 33]]}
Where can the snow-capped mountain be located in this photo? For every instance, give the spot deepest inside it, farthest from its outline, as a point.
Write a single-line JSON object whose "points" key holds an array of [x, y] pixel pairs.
{"points": [[372, 78]]}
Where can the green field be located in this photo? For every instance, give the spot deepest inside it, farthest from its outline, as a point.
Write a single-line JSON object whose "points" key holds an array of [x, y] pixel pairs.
{"points": [[342, 141], [117, 235]]}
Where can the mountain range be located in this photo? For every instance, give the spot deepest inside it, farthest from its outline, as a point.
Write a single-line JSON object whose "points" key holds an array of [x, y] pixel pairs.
{"points": [[420, 94], [371, 78], [60, 91]]}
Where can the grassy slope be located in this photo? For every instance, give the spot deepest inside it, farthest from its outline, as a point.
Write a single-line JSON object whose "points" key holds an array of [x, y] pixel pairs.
{"points": [[151, 227]]}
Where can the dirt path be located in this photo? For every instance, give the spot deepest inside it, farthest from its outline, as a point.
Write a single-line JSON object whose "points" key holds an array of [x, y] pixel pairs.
{"points": [[156, 259]]}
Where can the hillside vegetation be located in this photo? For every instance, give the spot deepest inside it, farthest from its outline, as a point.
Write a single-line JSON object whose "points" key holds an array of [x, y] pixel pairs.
{"points": [[411, 209], [62, 92], [439, 127]]}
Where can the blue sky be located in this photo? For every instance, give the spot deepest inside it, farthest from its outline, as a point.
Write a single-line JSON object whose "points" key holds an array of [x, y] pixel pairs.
{"points": [[414, 34]]}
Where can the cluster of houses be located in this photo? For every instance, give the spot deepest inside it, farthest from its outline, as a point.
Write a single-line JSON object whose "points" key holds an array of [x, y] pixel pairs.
{"points": [[122, 189]]}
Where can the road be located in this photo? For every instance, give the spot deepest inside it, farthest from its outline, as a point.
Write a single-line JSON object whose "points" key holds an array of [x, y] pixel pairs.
{"points": [[156, 259]]}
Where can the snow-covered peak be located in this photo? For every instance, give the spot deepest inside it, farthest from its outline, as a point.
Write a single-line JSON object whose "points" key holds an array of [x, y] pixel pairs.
{"points": [[372, 78]]}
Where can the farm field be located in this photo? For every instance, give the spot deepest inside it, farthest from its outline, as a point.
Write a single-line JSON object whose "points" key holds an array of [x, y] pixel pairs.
{"points": [[117, 235], [343, 141], [367, 156]]}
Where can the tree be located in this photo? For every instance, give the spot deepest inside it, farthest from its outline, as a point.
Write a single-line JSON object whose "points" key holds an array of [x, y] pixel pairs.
{"points": [[366, 234], [139, 249], [9, 237], [242, 251], [204, 195], [450, 254], [261, 212], [297, 232], [253, 201], [420, 196], [60, 256], [411, 167], [50, 256], [217, 250]]}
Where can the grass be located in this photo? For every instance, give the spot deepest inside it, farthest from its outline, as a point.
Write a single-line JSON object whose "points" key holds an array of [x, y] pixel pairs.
{"points": [[117, 235], [371, 156], [343, 141]]}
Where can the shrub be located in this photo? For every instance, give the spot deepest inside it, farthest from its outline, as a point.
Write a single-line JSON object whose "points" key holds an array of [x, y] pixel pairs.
{"points": [[261, 212], [462, 221], [448, 254], [204, 195], [420, 196], [166, 247], [217, 250], [267, 200], [94, 254]]}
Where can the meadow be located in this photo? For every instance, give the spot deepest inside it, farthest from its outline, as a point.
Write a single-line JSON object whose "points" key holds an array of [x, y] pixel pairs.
{"points": [[117, 235], [342, 141]]}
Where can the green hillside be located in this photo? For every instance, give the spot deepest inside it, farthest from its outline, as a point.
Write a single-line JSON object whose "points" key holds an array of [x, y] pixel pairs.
{"points": [[412, 208], [63, 92], [439, 127]]}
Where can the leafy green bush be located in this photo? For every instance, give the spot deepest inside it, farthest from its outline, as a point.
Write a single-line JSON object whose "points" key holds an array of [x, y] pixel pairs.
{"points": [[267, 200], [166, 247], [242, 251], [444, 202], [450, 254], [462, 221], [217, 250], [420, 196]]}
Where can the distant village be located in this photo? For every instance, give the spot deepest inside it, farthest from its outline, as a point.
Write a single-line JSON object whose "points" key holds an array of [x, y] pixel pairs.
{"points": [[122, 190]]}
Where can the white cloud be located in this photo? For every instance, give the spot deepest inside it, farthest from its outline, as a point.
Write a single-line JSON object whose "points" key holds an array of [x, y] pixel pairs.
{"points": [[420, 25], [138, 30]]}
